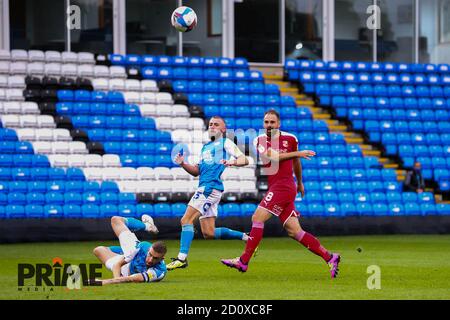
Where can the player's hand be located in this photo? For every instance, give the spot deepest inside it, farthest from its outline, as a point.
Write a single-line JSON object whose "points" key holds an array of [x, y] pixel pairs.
{"points": [[301, 189], [228, 163], [306, 154], [179, 159]]}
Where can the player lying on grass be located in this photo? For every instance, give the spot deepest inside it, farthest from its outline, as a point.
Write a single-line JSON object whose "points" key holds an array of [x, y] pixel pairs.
{"points": [[215, 156], [278, 151], [133, 261]]}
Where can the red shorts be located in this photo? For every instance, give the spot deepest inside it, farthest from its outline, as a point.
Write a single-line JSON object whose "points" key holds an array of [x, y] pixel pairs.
{"points": [[279, 200]]}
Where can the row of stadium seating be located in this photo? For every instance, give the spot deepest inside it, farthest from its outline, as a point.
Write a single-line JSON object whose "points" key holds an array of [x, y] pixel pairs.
{"points": [[47, 56], [62, 70], [198, 86], [381, 90], [292, 64], [107, 211], [339, 101], [367, 209], [402, 124]]}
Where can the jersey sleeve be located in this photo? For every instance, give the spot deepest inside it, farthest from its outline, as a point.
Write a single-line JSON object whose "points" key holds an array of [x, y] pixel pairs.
{"points": [[153, 275], [232, 149]]}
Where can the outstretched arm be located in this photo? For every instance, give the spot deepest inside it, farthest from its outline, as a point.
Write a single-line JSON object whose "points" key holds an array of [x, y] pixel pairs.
{"points": [[273, 155], [135, 278], [189, 168]]}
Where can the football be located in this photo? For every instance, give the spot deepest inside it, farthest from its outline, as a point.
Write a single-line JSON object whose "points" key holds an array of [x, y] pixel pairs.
{"points": [[184, 19]]}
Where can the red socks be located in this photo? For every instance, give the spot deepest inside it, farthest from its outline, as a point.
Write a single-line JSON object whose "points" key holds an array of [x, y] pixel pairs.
{"points": [[313, 245], [253, 241]]}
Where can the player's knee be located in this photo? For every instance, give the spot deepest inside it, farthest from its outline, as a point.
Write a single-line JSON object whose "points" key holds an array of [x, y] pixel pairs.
{"points": [[116, 220], [208, 236], [97, 251]]}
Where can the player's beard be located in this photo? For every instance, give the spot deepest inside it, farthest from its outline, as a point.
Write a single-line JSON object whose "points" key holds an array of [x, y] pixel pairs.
{"points": [[272, 132], [217, 136]]}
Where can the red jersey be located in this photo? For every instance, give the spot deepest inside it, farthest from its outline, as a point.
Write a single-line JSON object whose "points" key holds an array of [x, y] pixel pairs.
{"points": [[281, 172]]}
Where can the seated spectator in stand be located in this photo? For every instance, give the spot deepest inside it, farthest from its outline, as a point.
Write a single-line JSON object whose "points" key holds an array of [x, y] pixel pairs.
{"points": [[414, 180]]}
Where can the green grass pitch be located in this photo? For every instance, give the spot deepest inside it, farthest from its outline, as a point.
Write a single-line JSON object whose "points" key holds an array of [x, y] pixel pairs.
{"points": [[412, 267]]}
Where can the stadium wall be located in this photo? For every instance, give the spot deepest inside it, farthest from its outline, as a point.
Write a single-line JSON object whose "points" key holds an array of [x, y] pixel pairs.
{"points": [[52, 230]]}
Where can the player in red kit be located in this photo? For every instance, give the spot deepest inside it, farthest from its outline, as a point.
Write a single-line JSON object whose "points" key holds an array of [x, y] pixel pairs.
{"points": [[278, 151]]}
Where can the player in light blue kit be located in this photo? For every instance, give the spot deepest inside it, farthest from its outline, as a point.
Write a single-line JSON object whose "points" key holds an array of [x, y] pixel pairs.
{"points": [[216, 155], [133, 261]]}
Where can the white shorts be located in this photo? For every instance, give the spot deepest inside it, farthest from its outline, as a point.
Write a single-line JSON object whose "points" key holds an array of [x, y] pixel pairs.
{"points": [[207, 206], [128, 242]]}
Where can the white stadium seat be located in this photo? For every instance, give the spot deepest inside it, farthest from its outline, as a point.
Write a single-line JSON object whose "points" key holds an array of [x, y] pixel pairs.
{"points": [[101, 72], [180, 187], [36, 68], [2, 94], [148, 97], [132, 85], [162, 173], [179, 110], [42, 147], [61, 147], [86, 70], [61, 135], [69, 57], [19, 55], [58, 160], [144, 173], [86, 58], [5, 55], [29, 108], [4, 67], [53, 57], [195, 148], [12, 107], [231, 174], [232, 186], [26, 134], [148, 110], [46, 121], [3, 81], [18, 68], [247, 174], [93, 160], [111, 160], [127, 174], [146, 186], [52, 69], [127, 186], [14, 95], [163, 123], [180, 174], [132, 97], [76, 161], [117, 85], [95, 174], [44, 135], [117, 72], [196, 124], [248, 187], [29, 121], [69, 70], [100, 84], [78, 147], [10, 121], [17, 82], [149, 86], [163, 111], [180, 123], [181, 136], [164, 98], [36, 56]]}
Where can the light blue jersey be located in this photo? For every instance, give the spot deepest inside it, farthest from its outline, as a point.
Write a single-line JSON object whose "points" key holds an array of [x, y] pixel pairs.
{"points": [[210, 167]]}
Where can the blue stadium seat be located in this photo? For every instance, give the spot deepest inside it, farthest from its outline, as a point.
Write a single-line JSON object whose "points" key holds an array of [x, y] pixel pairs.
{"points": [[72, 211], [90, 211], [108, 210], [162, 210], [144, 208]]}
